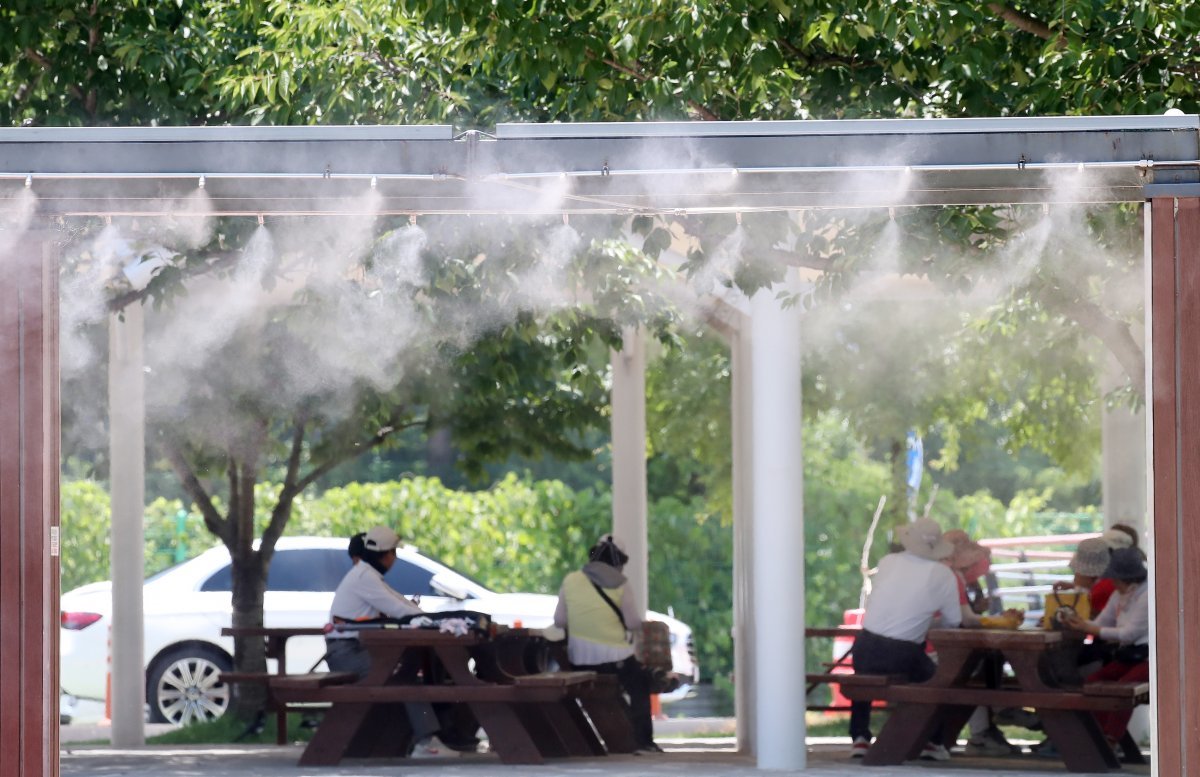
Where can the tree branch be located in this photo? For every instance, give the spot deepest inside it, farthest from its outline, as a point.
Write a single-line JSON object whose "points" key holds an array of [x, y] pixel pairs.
{"points": [[191, 484], [374, 442], [125, 299], [1112, 332], [283, 506], [38, 58], [640, 75], [1026, 23]]}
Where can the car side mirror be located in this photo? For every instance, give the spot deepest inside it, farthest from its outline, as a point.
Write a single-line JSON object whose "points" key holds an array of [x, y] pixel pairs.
{"points": [[446, 585]]}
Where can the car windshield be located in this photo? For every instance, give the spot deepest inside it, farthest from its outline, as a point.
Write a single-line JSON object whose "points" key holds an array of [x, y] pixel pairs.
{"points": [[451, 570]]}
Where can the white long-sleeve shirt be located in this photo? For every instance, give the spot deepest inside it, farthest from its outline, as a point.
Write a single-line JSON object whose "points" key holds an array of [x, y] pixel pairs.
{"points": [[363, 594], [906, 593], [1126, 617]]}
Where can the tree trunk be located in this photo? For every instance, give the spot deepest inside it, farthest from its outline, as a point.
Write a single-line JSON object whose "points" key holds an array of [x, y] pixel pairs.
{"points": [[249, 653]]}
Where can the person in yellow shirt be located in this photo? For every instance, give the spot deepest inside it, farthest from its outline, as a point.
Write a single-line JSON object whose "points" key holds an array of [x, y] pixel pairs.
{"points": [[598, 610]]}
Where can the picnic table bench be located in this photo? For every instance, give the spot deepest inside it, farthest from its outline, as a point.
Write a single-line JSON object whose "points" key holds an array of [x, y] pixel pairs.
{"points": [[949, 698], [276, 639], [528, 715]]}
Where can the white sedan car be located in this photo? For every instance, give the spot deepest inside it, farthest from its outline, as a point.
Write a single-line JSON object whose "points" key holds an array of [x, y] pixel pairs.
{"points": [[187, 605]]}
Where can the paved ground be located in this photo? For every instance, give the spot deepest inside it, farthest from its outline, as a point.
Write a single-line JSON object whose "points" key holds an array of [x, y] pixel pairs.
{"points": [[710, 757]]}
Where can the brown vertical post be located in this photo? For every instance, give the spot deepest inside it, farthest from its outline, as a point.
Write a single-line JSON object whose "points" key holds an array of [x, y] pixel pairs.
{"points": [[29, 456], [1175, 410]]}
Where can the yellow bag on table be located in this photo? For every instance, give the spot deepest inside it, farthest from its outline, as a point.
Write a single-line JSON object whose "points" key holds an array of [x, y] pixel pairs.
{"points": [[1059, 603]]}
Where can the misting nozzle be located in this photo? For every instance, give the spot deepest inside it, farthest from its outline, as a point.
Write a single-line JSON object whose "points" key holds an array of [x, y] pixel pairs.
{"points": [[200, 183], [29, 182], [737, 216], [374, 182], [261, 221], [566, 219], [412, 219]]}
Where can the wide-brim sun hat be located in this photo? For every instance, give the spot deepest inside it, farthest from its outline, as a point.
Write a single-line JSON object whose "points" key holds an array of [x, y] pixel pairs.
{"points": [[1091, 558], [923, 537], [381, 539]]}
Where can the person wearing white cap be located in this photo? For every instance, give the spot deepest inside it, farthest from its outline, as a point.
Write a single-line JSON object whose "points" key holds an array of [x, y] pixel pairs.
{"points": [[364, 595], [598, 610], [908, 591]]}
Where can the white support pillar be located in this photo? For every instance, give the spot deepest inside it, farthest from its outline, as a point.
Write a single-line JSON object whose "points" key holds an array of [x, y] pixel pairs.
{"points": [[629, 459], [778, 494], [1123, 458], [743, 535], [126, 403]]}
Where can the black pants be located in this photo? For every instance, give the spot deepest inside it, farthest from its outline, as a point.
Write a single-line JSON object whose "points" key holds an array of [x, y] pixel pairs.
{"points": [[874, 654], [636, 683]]}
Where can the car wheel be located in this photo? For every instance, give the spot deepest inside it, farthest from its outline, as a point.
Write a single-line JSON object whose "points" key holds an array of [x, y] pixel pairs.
{"points": [[184, 686]]}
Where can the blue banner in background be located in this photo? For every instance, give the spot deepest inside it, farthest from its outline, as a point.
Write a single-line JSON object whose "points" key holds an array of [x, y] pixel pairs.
{"points": [[916, 468]]}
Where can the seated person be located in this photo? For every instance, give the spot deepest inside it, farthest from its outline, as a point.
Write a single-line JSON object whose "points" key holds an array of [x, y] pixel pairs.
{"points": [[1116, 536], [971, 561], [1126, 622], [909, 589], [363, 595], [1088, 563], [598, 608]]}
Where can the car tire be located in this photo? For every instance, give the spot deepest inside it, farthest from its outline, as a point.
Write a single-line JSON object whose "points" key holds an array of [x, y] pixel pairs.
{"points": [[183, 686]]}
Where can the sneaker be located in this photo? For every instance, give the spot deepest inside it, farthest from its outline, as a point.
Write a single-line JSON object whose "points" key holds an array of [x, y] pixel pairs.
{"points": [[934, 752], [990, 743], [1018, 716], [860, 747], [432, 747]]}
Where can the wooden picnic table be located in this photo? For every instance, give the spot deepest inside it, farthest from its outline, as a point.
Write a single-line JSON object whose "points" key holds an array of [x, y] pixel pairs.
{"points": [[527, 717], [1036, 657]]}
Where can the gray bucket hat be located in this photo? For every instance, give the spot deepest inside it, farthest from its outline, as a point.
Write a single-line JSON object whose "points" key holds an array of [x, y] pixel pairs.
{"points": [[1091, 558]]}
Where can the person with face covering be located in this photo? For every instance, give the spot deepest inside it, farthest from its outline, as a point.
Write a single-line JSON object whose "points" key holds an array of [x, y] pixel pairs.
{"points": [[364, 595], [908, 591], [598, 609], [1125, 621]]}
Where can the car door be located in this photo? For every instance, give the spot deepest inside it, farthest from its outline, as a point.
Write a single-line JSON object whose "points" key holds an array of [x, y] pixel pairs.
{"points": [[300, 586]]}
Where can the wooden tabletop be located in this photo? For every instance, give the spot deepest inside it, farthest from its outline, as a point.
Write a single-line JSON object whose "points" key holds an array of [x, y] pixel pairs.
{"points": [[273, 631], [996, 639]]}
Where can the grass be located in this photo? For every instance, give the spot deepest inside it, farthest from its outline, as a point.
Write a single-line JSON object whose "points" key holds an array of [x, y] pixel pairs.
{"points": [[228, 730]]}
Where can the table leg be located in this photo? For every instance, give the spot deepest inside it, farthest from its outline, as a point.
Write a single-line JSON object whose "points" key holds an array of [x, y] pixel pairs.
{"points": [[507, 734], [609, 713], [953, 720], [384, 733], [1080, 740], [333, 738], [904, 735], [560, 729]]}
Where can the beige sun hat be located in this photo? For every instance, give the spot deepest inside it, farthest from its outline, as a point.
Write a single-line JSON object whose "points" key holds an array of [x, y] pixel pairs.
{"points": [[923, 537]]}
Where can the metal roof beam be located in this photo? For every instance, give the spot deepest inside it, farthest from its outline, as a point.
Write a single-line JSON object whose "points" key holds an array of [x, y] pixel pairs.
{"points": [[601, 168]]}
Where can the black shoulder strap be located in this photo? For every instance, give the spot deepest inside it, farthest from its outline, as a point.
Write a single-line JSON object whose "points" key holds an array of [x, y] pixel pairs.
{"points": [[610, 602]]}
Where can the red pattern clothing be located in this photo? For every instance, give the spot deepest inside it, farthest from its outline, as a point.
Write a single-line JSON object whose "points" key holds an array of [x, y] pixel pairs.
{"points": [[1100, 594]]}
